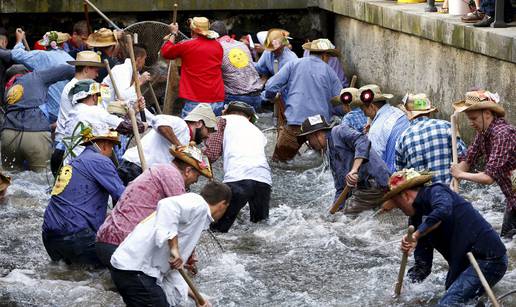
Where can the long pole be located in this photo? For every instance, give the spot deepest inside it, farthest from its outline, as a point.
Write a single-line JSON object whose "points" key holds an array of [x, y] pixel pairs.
{"points": [[403, 265], [483, 280], [102, 15], [340, 199], [135, 73], [454, 185], [353, 81], [154, 98], [136, 134], [198, 296], [117, 92], [87, 17], [172, 76]]}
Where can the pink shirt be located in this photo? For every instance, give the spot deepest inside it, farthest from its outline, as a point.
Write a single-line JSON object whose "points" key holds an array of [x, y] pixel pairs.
{"points": [[139, 200]]}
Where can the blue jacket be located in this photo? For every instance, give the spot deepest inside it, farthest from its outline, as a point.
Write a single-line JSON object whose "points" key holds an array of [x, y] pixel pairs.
{"points": [[462, 230], [80, 195]]}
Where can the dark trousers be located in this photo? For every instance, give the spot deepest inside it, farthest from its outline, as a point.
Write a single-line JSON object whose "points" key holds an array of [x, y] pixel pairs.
{"points": [[509, 224], [104, 252], [76, 248], [257, 194], [56, 160], [138, 289], [488, 7], [128, 171]]}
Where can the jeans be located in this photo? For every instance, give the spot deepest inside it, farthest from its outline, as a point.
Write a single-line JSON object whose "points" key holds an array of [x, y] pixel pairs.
{"points": [[257, 194], [253, 100], [488, 7], [128, 171], [77, 248], [138, 289], [217, 107], [467, 286]]}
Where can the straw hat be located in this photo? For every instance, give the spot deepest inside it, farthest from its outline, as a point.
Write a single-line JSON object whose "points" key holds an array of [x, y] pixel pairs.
{"points": [[372, 93], [279, 35], [98, 131], [480, 100], [313, 124], [321, 45], [87, 58], [54, 36], [405, 179], [201, 26], [350, 95], [101, 38], [203, 112], [239, 106], [416, 105], [117, 107], [83, 89], [194, 157]]}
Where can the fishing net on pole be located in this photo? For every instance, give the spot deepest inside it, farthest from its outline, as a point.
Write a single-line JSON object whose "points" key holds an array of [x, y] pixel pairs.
{"points": [[208, 249]]}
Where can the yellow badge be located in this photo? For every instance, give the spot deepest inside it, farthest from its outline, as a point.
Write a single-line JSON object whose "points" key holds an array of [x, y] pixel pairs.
{"points": [[513, 180], [62, 180], [14, 94], [238, 58], [105, 93]]}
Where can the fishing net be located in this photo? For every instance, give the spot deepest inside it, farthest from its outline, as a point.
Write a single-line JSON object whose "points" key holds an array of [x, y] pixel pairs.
{"points": [[208, 249]]}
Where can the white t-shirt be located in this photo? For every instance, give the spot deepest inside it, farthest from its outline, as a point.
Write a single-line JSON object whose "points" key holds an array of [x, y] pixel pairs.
{"points": [[64, 108], [244, 151], [155, 146], [123, 75], [94, 115], [146, 248]]}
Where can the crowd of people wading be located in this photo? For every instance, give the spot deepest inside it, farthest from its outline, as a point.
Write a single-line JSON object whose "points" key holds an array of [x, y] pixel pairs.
{"points": [[65, 106]]}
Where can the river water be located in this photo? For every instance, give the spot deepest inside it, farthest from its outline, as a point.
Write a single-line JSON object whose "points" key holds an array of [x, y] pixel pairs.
{"points": [[301, 256]]}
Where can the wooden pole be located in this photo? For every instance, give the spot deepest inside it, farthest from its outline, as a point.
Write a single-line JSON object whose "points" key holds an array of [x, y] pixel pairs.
{"points": [[154, 98], [342, 197], [117, 92], [87, 17], [196, 293], [403, 265], [135, 73], [137, 139], [483, 280], [353, 81], [172, 77], [454, 185], [102, 15]]}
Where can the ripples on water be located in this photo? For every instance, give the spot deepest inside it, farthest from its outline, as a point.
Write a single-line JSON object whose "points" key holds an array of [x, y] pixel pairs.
{"points": [[301, 256]]}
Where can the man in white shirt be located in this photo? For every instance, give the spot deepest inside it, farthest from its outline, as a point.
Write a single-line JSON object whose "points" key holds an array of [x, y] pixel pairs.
{"points": [[145, 263], [87, 65], [167, 130], [246, 170]]}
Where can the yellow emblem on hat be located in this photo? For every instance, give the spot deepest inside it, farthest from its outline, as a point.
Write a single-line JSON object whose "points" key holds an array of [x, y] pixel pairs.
{"points": [[65, 175]]}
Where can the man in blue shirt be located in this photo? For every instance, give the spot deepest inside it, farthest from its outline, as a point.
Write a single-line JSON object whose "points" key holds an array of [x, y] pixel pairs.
{"points": [[447, 222], [276, 49], [310, 84], [387, 124], [352, 162], [79, 199]]}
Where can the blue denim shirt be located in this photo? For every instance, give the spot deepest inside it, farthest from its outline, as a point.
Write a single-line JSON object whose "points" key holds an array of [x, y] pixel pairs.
{"points": [[83, 202], [265, 65], [344, 146], [462, 230]]}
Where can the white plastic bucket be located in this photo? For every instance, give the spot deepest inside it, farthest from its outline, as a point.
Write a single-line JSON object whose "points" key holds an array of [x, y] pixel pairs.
{"points": [[458, 7]]}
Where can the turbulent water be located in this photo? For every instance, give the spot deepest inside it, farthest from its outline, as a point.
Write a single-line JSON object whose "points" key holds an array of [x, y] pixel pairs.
{"points": [[302, 256]]}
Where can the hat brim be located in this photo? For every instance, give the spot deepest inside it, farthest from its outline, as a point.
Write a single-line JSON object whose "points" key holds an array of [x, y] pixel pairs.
{"points": [[99, 44], [317, 129], [85, 63], [414, 182], [208, 122], [113, 139], [206, 172], [333, 52], [414, 114], [460, 106]]}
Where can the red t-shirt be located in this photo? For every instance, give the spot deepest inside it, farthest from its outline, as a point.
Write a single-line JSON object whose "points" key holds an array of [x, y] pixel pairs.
{"points": [[201, 70]]}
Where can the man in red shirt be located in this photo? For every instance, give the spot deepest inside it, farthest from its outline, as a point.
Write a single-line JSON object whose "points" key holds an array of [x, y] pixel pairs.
{"points": [[201, 69]]}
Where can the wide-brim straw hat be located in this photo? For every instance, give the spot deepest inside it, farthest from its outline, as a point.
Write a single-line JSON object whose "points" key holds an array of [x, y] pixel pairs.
{"points": [[193, 157], [201, 26], [203, 112], [101, 38], [276, 34], [90, 135], [405, 179], [415, 105], [321, 45], [372, 93], [480, 100], [117, 107], [313, 124], [350, 95], [54, 36], [87, 58]]}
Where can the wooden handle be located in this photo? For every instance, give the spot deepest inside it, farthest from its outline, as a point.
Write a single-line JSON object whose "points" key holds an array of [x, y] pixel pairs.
{"points": [[174, 14], [196, 293], [135, 73], [137, 139], [353, 81], [483, 280], [403, 265], [24, 40], [102, 15], [454, 185], [342, 197], [154, 98], [117, 92]]}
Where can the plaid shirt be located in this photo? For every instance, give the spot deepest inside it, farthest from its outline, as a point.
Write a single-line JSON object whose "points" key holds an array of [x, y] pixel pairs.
{"points": [[498, 147], [426, 145], [213, 146], [356, 119]]}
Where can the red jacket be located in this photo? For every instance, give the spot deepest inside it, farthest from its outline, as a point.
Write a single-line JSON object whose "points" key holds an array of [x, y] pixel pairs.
{"points": [[201, 70]]}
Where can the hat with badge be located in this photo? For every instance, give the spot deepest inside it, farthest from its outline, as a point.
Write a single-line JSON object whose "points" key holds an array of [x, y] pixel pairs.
{"points": [[92, 132], [313, 124], [416, 105], [53, 39], [405, 179], [194, 157], [350, 95], [372, 93], [83, 89], [480, 100]]}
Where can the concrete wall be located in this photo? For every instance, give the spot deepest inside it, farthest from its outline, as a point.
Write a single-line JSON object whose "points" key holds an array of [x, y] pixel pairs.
{"points": [[402, 63]]}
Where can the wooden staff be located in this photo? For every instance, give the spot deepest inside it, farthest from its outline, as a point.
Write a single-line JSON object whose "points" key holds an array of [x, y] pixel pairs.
{"points": [[137, 139], [340, 200], [24, 40], [196, 293], [172, 77], [87, 17], [353, 81], [135, 74], [483, 280], [403, 265], [454, 185], [102, 15], [117, 92], [154, 98]]}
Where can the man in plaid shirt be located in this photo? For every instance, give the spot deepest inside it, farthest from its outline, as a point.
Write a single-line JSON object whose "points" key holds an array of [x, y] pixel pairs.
{"points": [[426, 144], [496, 143], [354, 117]]}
